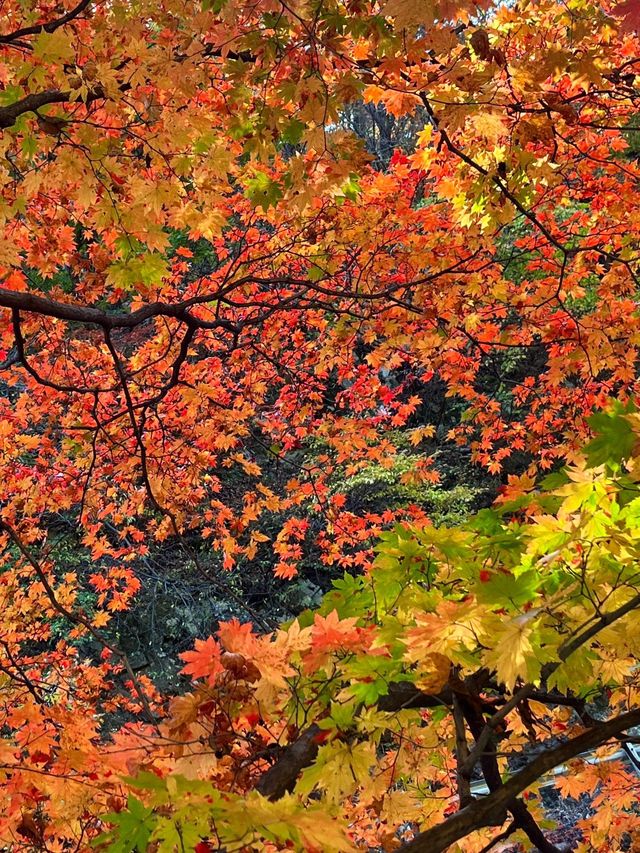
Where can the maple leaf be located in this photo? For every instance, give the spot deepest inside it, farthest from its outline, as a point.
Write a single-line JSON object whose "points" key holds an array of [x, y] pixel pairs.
{"points": [[238, 637], [571, 783], [629, 11], [490, 125], [513, 655], [321, 832], [15, 280], [420, 433], [204, 660], [184, 710], [433, 673], [373, 94], [338, 770], [330, 634], [412, 12]]}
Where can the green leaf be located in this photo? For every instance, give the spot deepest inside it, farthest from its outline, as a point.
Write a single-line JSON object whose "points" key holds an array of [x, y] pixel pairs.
{"points": [[10, 95], [351, 187], [146, 781], [555, 480], [29, 145], [315, 273], [54, 47], [292, 132], [132, 828], [614, 439], [339, 770], [148, 269], [263, 192], [505, 589]]}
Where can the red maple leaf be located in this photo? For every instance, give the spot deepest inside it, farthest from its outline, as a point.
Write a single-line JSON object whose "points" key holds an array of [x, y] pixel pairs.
{"points": [[629, 11]]}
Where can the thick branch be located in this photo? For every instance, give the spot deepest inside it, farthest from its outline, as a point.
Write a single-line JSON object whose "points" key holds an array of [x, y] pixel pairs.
{"points": [[490, 810], [33, 102], [404, 694], [564, 652], [522, 817], [281, 778], [49, 27], [462, 753], [30, 103], [603, 621], [34, 304]]}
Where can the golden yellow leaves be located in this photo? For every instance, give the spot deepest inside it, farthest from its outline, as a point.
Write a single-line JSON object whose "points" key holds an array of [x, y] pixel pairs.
{"points": [[490, 125], [419, 434], [512, 653], [468, 635], [313, 827], [53, 47], [440, 640], [410, 13], [339, 770], [433, 672]]}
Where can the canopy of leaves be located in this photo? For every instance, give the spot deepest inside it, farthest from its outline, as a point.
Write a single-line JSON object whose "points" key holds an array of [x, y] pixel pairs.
{"points": [[221, 315]]}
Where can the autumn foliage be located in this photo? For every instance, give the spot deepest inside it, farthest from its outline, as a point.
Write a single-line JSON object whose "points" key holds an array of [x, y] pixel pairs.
{"points": [[204, 279]]}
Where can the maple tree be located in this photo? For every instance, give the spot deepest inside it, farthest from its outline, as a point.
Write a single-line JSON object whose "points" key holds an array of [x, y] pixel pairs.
{"points": [[201, 275]]}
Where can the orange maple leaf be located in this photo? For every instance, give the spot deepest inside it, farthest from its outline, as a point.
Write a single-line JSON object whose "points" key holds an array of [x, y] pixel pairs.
{"points": [[204, 660]]}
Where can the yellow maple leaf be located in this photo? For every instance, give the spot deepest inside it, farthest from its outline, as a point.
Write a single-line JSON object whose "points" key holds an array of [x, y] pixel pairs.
{"points": [[373, 94], [512, 654], [433, 673], [101, 619], [339, 770], [420, 433]]}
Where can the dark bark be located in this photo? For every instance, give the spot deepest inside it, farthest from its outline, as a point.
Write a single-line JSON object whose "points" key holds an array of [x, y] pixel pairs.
{"points": [[404, 694], [281, 778], [491, 772], [46, 27], [490, 810], [29, 104]]}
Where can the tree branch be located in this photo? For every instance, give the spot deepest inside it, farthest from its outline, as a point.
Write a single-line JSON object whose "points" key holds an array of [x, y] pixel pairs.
{"points": [[88, 315], [33, 102], [403, 694], [522, 817], [463, 778], [564, 652], [29, 104], [502, 837], [49, 27], [487, 811], [21, 358], [281, 778]]}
